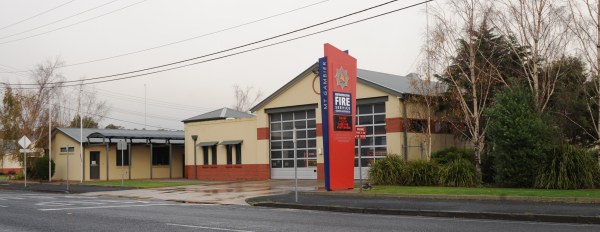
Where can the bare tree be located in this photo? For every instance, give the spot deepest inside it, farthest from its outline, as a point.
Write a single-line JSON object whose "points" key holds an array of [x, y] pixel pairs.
{"points": [[245, 98], [26, 109], [428, 93], [455, 42], [539, 26], [586, 29]]}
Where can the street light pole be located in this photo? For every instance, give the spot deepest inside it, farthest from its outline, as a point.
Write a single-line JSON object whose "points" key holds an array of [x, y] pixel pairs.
{"points": [[195, 138]]}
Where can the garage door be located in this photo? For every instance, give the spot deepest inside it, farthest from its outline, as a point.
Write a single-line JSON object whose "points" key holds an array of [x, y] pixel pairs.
{"points": [[293, 134]]}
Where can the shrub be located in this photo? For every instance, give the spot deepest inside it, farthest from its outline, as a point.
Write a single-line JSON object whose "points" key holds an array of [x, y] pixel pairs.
{"points": [[459, 173], [567, 167], [422, 173], [388, 170], [519, 136], [488, 171], [39, 169], [450, 154]]}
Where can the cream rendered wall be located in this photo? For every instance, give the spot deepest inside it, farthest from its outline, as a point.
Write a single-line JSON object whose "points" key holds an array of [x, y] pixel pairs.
{"points": [[61, 140], [140, 161], [10, 161], [219, 131], [302, 93]]}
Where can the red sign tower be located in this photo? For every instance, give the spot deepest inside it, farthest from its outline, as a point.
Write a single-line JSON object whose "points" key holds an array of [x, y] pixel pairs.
{"points": [[337, 72]]}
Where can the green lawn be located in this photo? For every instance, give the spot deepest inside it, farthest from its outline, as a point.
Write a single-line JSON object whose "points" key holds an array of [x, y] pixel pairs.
{"points": [[592, 193], [3, 177], [143, 183]]}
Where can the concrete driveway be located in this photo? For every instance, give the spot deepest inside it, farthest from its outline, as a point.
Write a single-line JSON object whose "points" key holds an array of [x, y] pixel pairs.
{"points": [[221, 192]]}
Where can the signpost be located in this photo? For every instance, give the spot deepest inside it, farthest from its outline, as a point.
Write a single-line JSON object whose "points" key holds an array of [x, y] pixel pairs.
{"points": [[361, 134], [68, 151], [24, 142], [121, 145]]}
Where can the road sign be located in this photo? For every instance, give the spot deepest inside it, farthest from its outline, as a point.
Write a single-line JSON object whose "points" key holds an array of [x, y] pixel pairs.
{"points": [[361, 133], [26, 150], [24, 142]]}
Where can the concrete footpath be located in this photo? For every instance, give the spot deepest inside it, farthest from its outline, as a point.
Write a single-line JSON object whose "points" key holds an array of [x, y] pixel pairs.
{"points": [[585, 213]]}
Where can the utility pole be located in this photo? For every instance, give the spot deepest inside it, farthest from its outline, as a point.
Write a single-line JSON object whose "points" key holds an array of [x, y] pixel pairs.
{"points": [[81, 135], [49, 140]]}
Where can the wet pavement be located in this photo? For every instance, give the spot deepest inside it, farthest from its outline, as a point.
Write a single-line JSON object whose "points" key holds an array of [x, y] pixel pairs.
{"points": [[217, 192]]}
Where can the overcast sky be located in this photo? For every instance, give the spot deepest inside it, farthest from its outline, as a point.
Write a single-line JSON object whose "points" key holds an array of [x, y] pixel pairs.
{"points": [[81, 31]]}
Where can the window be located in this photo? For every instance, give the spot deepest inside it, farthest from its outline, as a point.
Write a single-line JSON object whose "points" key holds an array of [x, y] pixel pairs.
{"points": [[214, 154], [205, 155], [125, 156], [238, 153], [160, 156], [284, 147], [417, 126], [443, 127], [372, 117], [67, 149]]}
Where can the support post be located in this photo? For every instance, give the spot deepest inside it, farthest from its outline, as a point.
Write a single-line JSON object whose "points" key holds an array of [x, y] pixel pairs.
{"points": [[151, 159], [360, 166], [195, 138], [170, 160], [129, 154], [107, 155]]}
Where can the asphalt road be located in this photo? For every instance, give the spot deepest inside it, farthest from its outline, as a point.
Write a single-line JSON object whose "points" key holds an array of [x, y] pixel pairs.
{"points": [[27, 211]]}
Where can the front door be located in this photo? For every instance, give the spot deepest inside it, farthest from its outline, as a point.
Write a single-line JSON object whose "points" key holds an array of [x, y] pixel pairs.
{"points": [[94, 165]]}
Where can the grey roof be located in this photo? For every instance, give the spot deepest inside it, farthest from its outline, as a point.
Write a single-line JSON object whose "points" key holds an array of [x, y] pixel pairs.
{"points": [[138, 136], [389, 83], [222, 113]]}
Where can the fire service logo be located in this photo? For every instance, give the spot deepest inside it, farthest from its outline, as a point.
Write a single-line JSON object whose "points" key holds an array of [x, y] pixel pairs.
{"points": [[341, 77]]}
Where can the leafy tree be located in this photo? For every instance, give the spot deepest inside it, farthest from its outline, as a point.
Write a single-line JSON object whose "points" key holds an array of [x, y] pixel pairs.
{"points": [[88, 122], [113, 126], [568, 105], [483, 62], [10, 121], [519, 137]]}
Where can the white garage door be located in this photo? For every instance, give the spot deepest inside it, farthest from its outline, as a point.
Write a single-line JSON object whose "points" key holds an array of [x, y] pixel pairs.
{"points": [[285, 145]]}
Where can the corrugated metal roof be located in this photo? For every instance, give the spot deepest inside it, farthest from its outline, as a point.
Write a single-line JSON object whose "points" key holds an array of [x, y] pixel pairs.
{"points": [[222, 113], [137, 135], [392, 84]]}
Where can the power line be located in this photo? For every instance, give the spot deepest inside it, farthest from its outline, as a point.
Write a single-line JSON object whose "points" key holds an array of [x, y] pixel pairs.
{"points": [[156, 103], [120, 120], [60, 20], [183, 40], [37, 15], [232, 54], [222, 51], [74, 24]]}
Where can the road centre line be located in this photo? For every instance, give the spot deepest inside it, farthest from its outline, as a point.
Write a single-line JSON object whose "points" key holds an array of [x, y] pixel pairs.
{"points": [[105, 206], [206, 227]]}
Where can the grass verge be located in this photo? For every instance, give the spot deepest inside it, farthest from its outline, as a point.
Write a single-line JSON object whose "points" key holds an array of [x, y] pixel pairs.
{"points": [[143, 183], [483, 191]]}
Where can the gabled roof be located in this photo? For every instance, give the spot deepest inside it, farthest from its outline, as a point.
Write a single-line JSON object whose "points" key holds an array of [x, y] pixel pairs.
{"points": [[222, 113], [389, 83], [140, 135]]}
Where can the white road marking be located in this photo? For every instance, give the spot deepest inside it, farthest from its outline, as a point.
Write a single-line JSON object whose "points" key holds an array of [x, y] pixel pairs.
{"points": [[3, 206], [210, 228], [103, 207]]}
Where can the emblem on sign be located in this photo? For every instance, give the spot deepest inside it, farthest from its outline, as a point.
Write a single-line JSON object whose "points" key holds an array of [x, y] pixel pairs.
{"points": [[341, 77]]}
